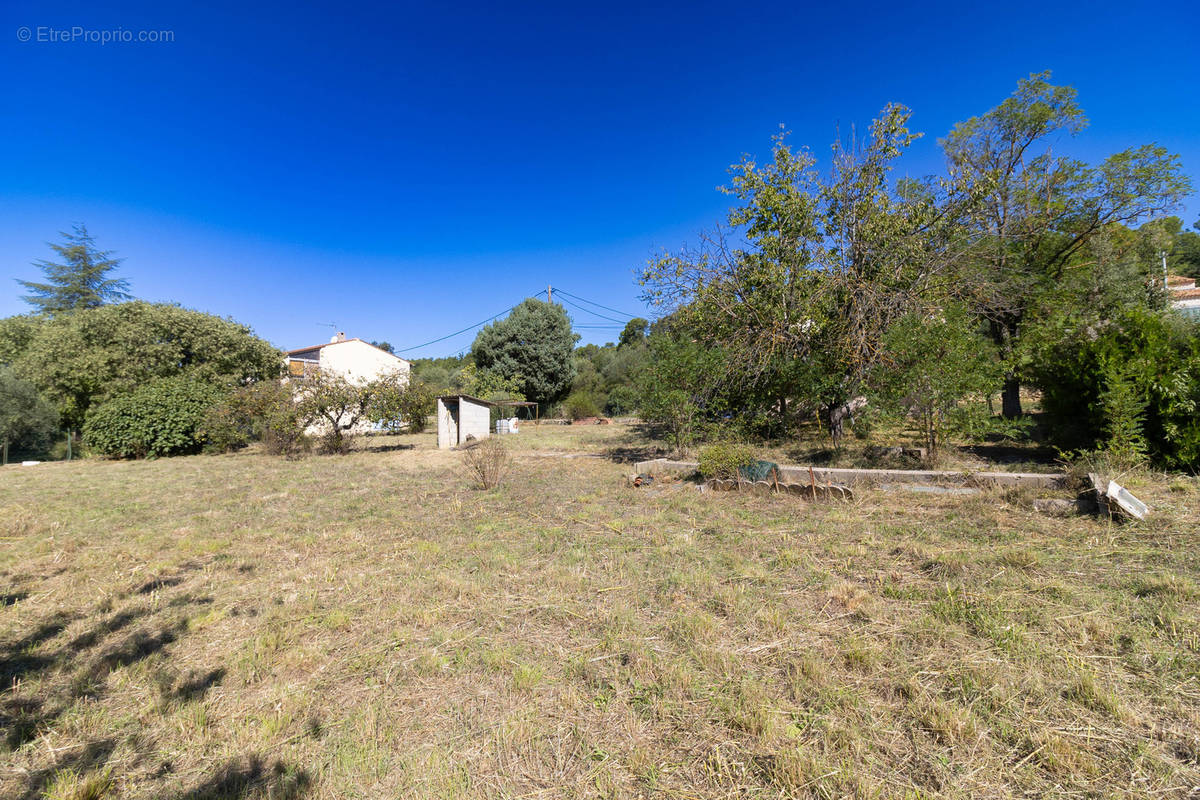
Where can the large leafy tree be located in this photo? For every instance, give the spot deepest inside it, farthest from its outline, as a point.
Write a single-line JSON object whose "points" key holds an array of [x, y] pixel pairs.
{"points": [[78, 360], [1033, 213], [81, 280], [634, 332], [531, 346], [799, 304]]}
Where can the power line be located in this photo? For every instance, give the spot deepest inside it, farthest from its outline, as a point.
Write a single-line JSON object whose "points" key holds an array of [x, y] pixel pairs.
{"points": [[594, 313], [619, 323], [464, 330], [593, 303]]}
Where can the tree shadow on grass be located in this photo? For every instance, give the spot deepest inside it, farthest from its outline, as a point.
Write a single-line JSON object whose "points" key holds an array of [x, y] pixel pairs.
{"points": [[806, 455], [17, 659], [634, 446], [383, 447], [251, 777], [82, 760], [195, 686], [1007, 453], [22, 716], [43, 674]]}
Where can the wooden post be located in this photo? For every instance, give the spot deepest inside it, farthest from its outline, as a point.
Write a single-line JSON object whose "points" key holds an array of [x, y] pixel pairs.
{"points": [[5, 453], [69, 437]]}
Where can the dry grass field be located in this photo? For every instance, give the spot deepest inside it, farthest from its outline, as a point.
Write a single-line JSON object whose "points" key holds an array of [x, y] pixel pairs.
{"points": [[373, 626]]}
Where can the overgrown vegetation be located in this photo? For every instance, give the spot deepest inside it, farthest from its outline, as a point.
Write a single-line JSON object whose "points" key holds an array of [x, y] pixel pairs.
{"points": [[1130, 383], [825, 293], [286, 416], [81, 359]]}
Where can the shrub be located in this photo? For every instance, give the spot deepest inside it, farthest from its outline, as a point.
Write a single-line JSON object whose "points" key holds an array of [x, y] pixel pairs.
{"points": [[932, 363], [1131, 383], [1125, 417], [580, 405], [265, 412], [162, 418], [488, 462], [723, 460]]}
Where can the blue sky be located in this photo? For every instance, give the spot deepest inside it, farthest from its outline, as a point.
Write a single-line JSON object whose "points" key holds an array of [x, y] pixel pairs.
{"points": [[405, 170]]}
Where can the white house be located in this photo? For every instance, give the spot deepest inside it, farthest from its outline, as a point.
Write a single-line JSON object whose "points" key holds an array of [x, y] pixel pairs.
{"points": [[1185, 297], [354, 359]]}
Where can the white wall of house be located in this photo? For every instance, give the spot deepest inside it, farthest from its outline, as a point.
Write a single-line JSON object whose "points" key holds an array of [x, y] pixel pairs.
{"points": [[360, 362]]}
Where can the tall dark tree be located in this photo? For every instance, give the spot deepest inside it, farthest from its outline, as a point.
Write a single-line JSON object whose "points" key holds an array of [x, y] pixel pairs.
{"points": [[531, 346], [635, 332], [82, 280], [1035, 212]]}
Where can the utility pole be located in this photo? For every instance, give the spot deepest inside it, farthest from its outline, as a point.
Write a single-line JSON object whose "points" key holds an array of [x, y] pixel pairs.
{"points": [[550, 293]]}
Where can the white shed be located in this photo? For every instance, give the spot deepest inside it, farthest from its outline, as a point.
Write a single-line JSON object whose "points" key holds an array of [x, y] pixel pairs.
{"points": [[460, 416]]}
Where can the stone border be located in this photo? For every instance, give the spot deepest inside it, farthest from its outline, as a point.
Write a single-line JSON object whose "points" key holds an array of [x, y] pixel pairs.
{"points": [[866, 477]]}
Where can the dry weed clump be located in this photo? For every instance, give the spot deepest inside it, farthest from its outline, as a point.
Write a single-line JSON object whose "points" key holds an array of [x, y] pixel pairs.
{"points": [[488, 462]]}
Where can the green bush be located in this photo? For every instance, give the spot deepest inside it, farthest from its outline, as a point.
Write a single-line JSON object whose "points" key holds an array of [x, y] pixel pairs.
{"points": [[723, 460], [265, 411], [27, 422], [580, 405], [1130, 385], [162, 418], [933, 363]]}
